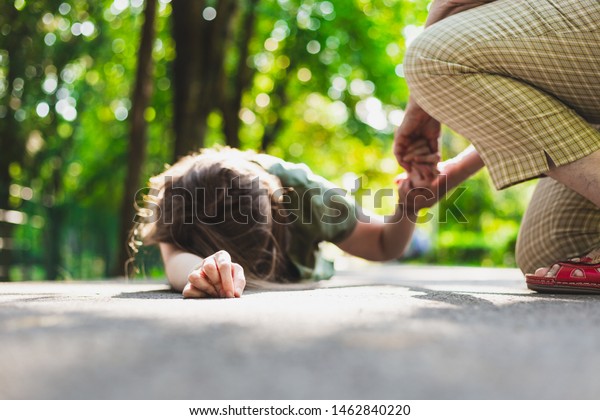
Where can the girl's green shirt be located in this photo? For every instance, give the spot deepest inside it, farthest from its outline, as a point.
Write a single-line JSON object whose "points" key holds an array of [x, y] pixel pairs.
{"points": [[318, 211]]}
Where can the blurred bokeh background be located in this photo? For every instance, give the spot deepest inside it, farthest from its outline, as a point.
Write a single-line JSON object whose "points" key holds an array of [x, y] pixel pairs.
{"points": [[95, 97]]}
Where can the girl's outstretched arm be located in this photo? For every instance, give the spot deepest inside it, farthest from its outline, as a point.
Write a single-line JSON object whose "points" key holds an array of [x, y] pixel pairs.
{"points": [[382, 239], [378, 238]]}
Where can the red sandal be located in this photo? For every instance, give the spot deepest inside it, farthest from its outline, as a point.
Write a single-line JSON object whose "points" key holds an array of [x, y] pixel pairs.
{"points": [[565, 282]]}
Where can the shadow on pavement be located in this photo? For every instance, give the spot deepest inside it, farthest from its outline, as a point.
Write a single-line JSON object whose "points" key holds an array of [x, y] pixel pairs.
{"points": [[166, 293]]}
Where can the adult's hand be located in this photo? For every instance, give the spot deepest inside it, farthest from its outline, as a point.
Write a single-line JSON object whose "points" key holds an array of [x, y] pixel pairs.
{"points": [[441, 9], [216, 277], [417, 126]]}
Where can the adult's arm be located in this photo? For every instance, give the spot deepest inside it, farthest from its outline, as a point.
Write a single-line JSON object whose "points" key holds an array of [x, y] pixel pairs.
{"points": [[441, 9]]}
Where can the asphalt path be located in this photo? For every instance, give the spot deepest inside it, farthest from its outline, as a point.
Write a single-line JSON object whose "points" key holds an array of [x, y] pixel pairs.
{"points": [[378, 332]]}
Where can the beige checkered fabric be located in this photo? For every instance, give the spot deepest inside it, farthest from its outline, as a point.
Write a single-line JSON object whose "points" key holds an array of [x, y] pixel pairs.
{"points": [[558, 224], [519, 78]]}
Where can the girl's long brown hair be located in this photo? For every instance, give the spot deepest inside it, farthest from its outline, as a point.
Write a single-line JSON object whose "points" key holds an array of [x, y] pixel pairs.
{"points": [[220, 200]]}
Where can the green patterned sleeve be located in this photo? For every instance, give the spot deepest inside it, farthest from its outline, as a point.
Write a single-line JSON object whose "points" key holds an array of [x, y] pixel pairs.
{"points": [[321, 208]]}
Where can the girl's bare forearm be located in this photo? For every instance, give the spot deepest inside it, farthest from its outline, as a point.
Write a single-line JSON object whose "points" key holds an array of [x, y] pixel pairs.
{"points": [[380, 239], [468, 163], [178, 265]]}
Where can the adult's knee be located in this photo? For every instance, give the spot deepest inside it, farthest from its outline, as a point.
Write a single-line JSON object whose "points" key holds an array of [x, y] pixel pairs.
{"points": [[441, 50], [420, 56]]}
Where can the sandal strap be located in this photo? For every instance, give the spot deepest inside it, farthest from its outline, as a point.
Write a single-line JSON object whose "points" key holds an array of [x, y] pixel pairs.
{"points": [[567, 268]]}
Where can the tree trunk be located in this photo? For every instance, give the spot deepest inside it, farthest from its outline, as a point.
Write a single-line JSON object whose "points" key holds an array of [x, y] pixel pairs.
{"points": [[6, 233], [138, 135], [280, 95], [187, 34], [11, 141], [236, 85], [200, 45], [6, 228], [52, 238]]}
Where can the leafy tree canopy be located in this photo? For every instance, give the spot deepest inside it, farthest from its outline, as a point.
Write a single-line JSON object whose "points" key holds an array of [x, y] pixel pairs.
{"points": [[313, 81]]}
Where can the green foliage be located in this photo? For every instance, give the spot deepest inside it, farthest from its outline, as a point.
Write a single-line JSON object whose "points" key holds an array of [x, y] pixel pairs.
{"points": [[326, 76]]}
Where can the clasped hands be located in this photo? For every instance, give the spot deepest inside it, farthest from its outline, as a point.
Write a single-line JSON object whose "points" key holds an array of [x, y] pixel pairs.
{"points": [[417, 151]]}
